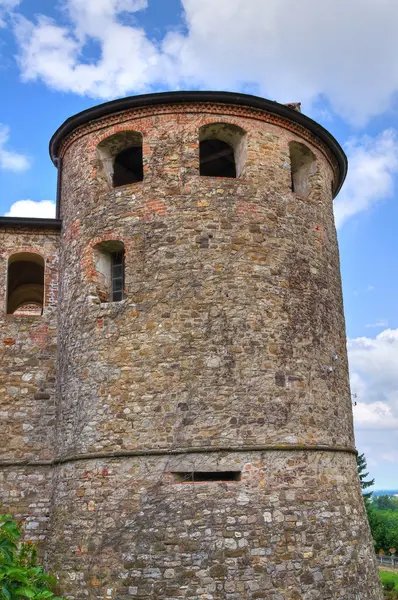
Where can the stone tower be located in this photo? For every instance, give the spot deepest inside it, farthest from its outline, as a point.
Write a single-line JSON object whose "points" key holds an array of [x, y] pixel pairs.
{"points": [[204, 444]]}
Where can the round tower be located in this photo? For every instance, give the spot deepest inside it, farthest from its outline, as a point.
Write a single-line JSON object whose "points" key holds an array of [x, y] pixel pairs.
{"points": [[205, 439]]}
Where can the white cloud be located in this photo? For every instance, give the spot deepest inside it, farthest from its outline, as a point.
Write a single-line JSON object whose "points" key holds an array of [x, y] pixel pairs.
{"points": [[374, 381], [377, 415], [381, 323], [373, 163], [30, 208], [55, 54], [290, 51], [9, 159], [6, 7]]}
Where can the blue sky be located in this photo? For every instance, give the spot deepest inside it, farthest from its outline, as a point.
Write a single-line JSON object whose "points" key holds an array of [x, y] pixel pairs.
{"points": [[337, 58]]}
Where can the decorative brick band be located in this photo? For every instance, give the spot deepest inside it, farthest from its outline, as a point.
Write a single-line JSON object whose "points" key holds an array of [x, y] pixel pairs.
{"points": [[197, 108], [179, 451]]}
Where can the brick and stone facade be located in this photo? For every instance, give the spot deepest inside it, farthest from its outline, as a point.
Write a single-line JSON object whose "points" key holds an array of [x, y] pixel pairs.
{"points": [[226, 354]]}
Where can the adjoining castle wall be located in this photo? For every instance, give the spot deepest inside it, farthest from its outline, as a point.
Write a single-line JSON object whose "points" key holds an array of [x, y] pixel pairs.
{"points": [[228, 352], [27, 386]]}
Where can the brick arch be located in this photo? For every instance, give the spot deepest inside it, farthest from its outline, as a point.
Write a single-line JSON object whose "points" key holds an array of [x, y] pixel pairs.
{"points": [[231, 139], [102, 159], [104, 134], [24, 284], [87, 262], [26, 250]]}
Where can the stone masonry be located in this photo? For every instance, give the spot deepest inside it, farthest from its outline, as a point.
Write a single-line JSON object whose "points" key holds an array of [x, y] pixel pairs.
{"points": [[226, 355]]}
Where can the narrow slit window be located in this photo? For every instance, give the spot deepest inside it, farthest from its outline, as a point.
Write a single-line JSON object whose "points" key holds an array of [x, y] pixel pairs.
{"points": [[25, 284], [206, 476], [109, 271], [117, 266]]}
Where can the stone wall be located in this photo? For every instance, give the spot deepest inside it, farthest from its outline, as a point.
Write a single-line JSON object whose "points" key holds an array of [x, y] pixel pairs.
{"points": [[232, 292], [293, 528], [27, 386], [228, 350], [227, 354]]}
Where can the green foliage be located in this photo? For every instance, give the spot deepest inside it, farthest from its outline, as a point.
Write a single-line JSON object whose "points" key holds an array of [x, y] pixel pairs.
{"points": [[384, 527], [361, 466], [389, 581], [382, 512], [21, 578], [385, 502]]}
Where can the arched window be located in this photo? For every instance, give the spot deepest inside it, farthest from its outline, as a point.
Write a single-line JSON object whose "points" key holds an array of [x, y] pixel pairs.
{"points": [[25, 284], [109, 266], [303, 165], [222, 150], [121, 158], [128, 167]]}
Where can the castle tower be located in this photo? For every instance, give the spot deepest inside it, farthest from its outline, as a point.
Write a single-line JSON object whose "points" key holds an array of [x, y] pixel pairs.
{"points": [[204, 443]]}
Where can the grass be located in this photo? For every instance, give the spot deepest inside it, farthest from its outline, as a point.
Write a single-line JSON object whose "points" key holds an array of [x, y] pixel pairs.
{"points": [[389, 582]]}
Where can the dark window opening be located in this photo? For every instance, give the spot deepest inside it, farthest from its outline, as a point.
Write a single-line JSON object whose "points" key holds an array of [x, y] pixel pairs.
{"points": [[117, 275], [217, 159], [25, 284], [109, 270], [203, 476], [128, 167]]}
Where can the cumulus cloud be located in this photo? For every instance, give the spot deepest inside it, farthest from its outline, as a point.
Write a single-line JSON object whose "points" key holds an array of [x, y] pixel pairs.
{"points": [[376, 415], [55, 54], [374, 383], [9, 159], [374, 379], [6, 7], [292, 51], [30, 208], [373, 164]]}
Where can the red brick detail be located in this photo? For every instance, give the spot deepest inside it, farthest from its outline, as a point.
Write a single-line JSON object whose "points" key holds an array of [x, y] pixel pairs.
{"points": [[247, 208], [152, 207], [9, 341], [50, 273], [320, 231], [223, 112], [87, 261], [39, 336], [27, 249], [73, 231]]}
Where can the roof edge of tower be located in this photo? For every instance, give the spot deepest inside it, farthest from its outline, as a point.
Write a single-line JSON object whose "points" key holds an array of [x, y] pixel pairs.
{"points": [[29, 223], [182, 97]]}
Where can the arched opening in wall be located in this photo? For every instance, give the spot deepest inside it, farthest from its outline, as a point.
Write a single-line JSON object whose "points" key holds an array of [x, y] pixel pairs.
{"points": [[303, 165], [121, 158], [109, 267], [25, 284], [222, 150]]}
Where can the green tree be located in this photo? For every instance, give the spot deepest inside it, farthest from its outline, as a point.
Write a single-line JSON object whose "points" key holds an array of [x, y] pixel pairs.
{"points": [[386, 502], [21, 578], [363, 474]]}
